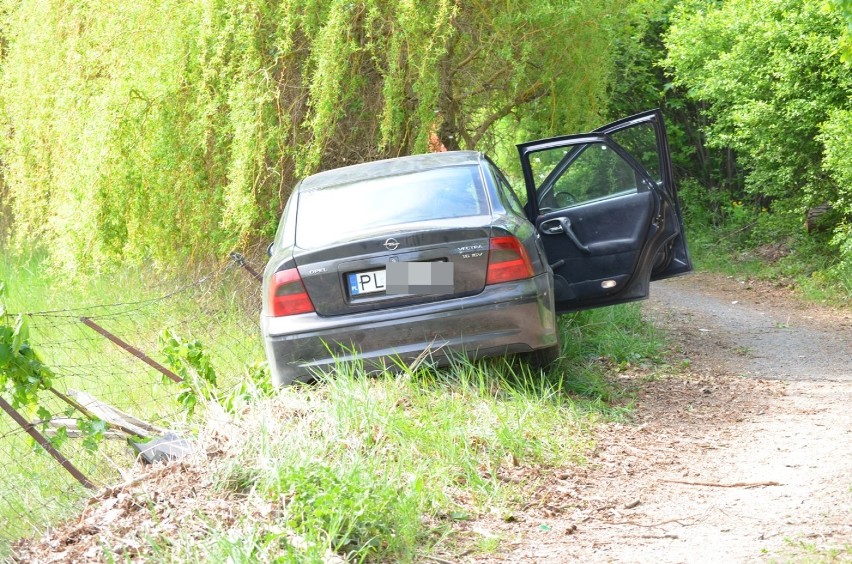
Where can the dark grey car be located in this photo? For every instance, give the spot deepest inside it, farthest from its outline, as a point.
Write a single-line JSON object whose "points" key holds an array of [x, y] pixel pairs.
{"points": [[436, 253]]}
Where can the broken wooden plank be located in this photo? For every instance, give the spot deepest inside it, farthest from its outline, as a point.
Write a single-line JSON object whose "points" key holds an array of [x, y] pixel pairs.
{"points": [[95, 408]]}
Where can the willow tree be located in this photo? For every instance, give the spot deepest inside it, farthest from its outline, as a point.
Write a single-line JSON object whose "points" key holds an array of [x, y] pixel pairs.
{"points": [[545, 65], [144, 130]]}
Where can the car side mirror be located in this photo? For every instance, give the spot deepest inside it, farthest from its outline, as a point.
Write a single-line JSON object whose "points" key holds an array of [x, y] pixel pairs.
{"points": [[269, 249]]}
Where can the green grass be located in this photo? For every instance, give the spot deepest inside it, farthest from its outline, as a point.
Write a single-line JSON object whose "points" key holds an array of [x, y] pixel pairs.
{"points": [[370, 467], [34, 490], [815, 553], [33, 284], [384, 467], [733, 244]]}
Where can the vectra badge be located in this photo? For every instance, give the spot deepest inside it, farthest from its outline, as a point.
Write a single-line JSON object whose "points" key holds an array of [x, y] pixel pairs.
{"points": [[391, 244]]}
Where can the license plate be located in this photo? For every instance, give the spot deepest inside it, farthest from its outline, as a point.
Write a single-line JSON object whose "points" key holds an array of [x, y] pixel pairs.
{"points": [[368, 282]]}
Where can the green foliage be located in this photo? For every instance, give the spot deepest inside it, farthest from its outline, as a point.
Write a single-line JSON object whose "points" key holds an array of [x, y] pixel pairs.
{"points": [[777, 94], [143, 131], [544, 65], [190, 361], [836, 137], [254, 384], [844, 7], [22, 373], [769, 71], [93, 432], [643, 83], [356, 512]]}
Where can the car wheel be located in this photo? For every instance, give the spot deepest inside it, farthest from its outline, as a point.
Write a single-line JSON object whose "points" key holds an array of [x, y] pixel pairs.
{"points": [[543, 358]]}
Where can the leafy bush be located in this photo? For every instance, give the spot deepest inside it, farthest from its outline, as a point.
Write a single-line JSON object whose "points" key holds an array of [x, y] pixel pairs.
{"points": [[844, 7], [190, 361], [22, 372], [778, 94], [836, 137]]}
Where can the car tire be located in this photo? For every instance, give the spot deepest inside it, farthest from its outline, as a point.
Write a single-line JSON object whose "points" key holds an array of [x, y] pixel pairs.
{"points": [[543, 358]]}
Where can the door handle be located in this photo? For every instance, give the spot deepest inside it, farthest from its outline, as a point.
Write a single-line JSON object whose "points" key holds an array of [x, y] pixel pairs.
{"points": [[560, 225], [551, 227]]}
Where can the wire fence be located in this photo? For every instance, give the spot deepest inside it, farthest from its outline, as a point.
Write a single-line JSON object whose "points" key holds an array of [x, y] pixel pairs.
{"points": [[112, 355]]}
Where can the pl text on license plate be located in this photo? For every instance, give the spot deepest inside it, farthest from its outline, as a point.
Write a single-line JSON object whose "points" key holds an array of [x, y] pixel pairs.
{"points": [[366, 282]]}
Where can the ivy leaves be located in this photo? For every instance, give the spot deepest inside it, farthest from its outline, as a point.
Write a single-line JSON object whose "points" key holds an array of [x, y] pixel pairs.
{"points": [[190, 361], [22, 372]]}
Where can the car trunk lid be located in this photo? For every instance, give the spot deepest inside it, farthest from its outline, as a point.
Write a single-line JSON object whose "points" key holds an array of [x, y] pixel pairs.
{"points": [[352, 276]]}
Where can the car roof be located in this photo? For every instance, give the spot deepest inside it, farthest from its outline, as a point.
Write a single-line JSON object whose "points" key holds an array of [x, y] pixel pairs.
{"points": [[388, 167]]}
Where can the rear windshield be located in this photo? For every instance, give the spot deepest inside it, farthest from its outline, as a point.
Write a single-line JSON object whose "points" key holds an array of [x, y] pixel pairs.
{"points": [[341, 212]]}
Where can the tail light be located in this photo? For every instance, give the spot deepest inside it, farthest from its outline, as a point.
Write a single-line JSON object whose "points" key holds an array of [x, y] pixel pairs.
{"points": [[287, 295], [507, 260]]}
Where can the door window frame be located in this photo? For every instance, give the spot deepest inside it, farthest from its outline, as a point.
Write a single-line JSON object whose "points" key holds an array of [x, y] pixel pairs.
{"points": [[574, 141]]}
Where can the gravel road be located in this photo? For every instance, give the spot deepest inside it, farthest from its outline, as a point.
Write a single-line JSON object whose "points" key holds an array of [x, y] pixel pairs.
{"points": [[743, 454], [770, 335]]}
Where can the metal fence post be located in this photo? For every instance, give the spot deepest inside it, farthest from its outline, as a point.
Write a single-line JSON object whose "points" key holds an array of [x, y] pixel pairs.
{"points": [[132, 350], [45, 444], [241, 261]]}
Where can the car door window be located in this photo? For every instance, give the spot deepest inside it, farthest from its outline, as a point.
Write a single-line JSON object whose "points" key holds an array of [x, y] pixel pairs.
{"points": [[581, 174], [641, 142]]}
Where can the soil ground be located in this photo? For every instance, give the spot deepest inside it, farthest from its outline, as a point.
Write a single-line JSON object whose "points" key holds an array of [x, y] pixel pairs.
{"points": [[739, 451], [745, 454]]}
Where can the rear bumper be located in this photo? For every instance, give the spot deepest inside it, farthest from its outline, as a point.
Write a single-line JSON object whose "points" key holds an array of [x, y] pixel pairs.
{"points": [[504, 318]]}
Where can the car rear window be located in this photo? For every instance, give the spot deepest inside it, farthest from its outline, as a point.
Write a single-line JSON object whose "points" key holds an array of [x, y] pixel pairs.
{"points": [[337, 213]]}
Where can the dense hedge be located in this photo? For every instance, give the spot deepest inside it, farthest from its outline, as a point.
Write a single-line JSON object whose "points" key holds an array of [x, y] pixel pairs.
{"points": [[777, 91]]}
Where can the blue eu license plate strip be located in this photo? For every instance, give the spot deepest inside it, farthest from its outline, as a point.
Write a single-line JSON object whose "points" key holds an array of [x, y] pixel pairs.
{"points": [[369, 282]]}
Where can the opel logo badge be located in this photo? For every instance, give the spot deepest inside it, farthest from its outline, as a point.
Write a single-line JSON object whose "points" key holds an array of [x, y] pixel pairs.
{"points": [[391, 244]]}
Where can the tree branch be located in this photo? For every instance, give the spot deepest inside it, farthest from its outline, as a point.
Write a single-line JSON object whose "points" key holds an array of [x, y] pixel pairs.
{"points": [[535, 91]]}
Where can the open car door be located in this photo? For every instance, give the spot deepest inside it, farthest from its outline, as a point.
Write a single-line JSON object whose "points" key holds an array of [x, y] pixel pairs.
{"points": [[606, 207]]}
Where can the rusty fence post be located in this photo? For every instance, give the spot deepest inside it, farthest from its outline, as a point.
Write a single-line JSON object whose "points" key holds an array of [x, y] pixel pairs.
{"points": [[241, 261], [45, 444], [132, 350]]}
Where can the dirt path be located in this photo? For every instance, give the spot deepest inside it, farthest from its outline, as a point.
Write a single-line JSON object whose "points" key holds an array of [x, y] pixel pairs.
{"points": [[745, 455]]}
